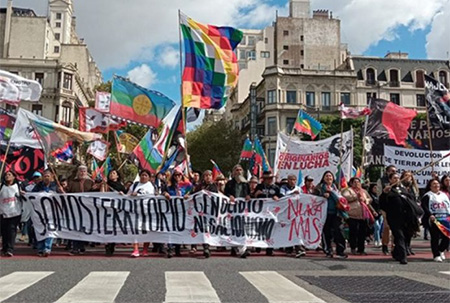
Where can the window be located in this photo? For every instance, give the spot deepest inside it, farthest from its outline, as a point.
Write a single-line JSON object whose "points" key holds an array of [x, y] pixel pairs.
{"points": [[260, 130], [58, 16], [271, 153], [285, 62], [39, 77], [266, 40], [272, 126], [370, 76], [251, 40], [265, 54], [371, 96], [301, 38], [420, 100], [302, 66], [57, 36], [285, 33], [58, 24], [242, 54], [56, 49], [310, 99], [67, 84], [302, 53], [290, 124], [326, 101], [291, 96], [236, 124], [395, 98], [286, 47], [67, 114], [36, 109], [393, 77], [243, 41], [420, 79], [345, 98], [242, 65], [251, 55], [11, 108], [56, 113], [443, 78], [271, 96]]}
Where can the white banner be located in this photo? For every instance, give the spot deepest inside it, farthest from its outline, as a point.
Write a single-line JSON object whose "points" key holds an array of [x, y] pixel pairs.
{"points": [[14, 88], [99, 149], [313, 158], [202, 218], [416, 159], [103, 102]]}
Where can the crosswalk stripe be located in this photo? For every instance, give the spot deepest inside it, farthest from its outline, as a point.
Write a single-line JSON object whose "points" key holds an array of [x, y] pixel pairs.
{"points": [[192, 286], [445, 272], [277, 288], [18, 281], [98, 286]]}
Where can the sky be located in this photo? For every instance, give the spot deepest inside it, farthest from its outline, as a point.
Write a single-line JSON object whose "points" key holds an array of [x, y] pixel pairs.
{"points": [[139, 38]]}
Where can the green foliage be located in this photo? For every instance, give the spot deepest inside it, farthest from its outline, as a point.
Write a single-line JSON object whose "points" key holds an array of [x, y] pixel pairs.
{"points": [[217, 141]]}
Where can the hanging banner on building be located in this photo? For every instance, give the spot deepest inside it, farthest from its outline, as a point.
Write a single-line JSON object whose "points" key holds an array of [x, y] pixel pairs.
{"points": [[202, 218], [414, 160], [22, 161], [313, 158], [417, 139]]}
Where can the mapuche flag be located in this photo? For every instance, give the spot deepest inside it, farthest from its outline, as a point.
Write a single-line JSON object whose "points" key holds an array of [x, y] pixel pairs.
{"points": [[438, 102], [210, 68], [307, 124], [389, 121], [134, 103]]}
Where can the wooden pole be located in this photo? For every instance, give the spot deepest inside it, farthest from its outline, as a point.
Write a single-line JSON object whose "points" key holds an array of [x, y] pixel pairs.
{"points": [[183, 108], [7, 150], [430, 143], [340, 154]]}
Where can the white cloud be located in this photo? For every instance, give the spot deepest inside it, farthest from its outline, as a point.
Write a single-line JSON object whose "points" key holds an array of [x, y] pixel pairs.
{"points": [[169, 57], [142, 75], [366, 22], [438, 40]]}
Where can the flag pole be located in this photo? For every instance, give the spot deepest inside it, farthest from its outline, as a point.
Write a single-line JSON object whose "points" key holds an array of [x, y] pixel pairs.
{"points": [[279, 165], [183, 108], [364, 141], [430, 143], [340, 154], [7, 150]]}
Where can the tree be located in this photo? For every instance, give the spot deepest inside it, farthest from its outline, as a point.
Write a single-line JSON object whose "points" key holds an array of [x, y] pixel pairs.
{"points": [[217, 141]]}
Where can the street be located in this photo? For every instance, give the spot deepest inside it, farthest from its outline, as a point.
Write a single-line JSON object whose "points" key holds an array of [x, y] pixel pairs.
{"points": [[96, 278]]}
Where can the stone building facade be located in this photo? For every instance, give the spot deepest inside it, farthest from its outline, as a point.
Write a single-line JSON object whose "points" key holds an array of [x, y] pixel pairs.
{"points": [[48, 49]]}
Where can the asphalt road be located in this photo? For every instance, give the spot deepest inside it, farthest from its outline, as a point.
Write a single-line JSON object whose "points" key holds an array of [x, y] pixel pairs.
{"points": [[96, 278]]}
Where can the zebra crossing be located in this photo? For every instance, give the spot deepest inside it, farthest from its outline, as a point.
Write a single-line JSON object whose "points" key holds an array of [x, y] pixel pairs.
{"points": [[180, 286]]}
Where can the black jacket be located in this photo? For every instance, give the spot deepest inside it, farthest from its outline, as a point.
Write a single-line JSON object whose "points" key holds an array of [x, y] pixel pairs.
{"points": [[230, 189]]}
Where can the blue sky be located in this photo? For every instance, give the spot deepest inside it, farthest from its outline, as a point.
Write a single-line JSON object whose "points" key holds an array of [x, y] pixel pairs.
{"points": [[139, 38]]}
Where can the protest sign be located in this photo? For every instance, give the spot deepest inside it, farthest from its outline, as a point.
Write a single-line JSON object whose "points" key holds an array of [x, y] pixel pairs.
{"points": [[204, 217], [416, 159], [22, 161], [313, 158]]}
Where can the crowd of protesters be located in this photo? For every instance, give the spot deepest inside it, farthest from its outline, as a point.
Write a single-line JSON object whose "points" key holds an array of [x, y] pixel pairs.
{"points": [[393, 209]]}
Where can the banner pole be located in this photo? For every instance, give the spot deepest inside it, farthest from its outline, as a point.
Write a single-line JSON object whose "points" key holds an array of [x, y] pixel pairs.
{"points": [[7, 150], [430, 143], [363, 160]]}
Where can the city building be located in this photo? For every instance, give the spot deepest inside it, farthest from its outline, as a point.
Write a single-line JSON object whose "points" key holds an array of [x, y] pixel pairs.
{"points": [[48, 49], [311, 69]]}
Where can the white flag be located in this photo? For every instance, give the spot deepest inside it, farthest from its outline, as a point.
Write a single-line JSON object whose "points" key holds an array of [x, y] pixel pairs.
{"points": [[23, 133], [14, 88], [99, 149], [102, 102]]}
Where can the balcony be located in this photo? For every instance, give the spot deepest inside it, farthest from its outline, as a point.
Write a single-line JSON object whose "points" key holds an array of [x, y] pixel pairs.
{"points": [[394, 84], [371, 82]]}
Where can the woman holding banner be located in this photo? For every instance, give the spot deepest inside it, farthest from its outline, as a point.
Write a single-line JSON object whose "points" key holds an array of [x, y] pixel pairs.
{"points": [[359, 215], [332, 228], [10, 212], [436, 205]]}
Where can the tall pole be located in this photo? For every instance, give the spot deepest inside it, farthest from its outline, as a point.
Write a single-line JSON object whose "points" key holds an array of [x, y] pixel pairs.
{"points": [[340, 153], [364, 141], [253, 111], [430, 142]]}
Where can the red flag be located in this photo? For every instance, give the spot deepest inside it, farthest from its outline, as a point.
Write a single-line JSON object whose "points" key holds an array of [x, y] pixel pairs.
{"points": [[389, 120]]}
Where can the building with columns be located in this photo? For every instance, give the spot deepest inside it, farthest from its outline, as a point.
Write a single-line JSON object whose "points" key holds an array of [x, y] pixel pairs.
{"points": [[48, 49], [310, 68]]}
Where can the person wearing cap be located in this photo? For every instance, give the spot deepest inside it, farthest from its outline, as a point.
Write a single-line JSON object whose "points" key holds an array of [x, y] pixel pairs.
{"points": [[35, 179], [291, 187], [221, 182], [268, 190], [308, 187]]}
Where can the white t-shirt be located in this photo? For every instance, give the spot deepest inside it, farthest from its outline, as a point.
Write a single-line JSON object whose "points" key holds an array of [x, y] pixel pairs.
{"points": [[142, 189], [10, 205]]}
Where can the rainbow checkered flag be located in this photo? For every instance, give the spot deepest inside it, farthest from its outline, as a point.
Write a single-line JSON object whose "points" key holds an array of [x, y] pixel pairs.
{"points": [[210, 67], [307, 125], [443, 224]]}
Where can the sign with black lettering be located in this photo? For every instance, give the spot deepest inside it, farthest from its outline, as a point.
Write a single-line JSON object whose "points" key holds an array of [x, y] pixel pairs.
{"points": [[202, 218], [416, 159], [23, 161]]}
